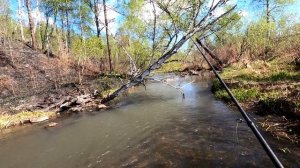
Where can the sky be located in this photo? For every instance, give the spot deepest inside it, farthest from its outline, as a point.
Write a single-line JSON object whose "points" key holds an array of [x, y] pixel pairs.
{"points": [[245, 7]]}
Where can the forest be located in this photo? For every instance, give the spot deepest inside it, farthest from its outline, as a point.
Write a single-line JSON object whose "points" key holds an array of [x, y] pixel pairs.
{"points": [[59, 57]]}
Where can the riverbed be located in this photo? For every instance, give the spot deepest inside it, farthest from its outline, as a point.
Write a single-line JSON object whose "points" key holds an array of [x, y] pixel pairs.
{"points": [[155, 126]]}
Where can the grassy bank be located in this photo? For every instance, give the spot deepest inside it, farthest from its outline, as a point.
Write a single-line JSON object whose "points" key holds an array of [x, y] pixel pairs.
{"points": [[269, 89], [9, 120], [70, 97]]}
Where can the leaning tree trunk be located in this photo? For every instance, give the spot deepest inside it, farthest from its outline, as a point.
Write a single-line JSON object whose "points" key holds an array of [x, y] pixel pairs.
{"points": [[204, 24], [31, 24], [217, 59]]}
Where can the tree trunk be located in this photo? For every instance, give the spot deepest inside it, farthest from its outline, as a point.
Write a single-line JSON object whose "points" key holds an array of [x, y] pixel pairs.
{"points": [[80, 21], [268, 15], [219, 62], [201, 26], [68, 38], [20, 11], [31, 24], [140, 78], [44, 35], [96, 13], [268, 11], [93, 4], [107, 37], [154, 33]]}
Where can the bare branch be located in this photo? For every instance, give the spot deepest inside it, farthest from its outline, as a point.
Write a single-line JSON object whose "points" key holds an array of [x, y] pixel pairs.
{"points": [[185, 37]]}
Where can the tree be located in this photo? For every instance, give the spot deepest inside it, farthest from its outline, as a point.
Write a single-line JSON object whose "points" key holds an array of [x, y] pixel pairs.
{"points": [[271, 6], [20, 13], [107, 36], [31, 23], [94, 6], [190, 23], [5, 17]]}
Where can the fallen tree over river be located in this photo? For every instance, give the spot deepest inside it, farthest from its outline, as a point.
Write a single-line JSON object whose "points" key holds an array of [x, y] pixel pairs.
{"points": [[197, 26]]}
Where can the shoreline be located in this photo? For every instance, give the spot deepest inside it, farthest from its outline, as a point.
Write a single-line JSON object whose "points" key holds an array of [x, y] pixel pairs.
{"points": [[273, 95]]}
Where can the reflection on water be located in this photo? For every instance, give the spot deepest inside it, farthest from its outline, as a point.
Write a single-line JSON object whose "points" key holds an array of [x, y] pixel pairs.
{"points": [[150, 128]]}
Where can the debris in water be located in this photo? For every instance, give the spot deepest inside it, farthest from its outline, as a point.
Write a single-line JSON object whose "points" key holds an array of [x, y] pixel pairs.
{"points": [[285, 150], [52, 124], [107, 152]]}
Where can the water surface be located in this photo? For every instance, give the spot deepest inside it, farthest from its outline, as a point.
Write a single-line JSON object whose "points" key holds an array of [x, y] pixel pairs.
{"points": [[155, 127]]}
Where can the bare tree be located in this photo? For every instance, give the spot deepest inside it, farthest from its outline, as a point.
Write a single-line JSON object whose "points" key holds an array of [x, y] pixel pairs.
{"points": [[31, 23]]}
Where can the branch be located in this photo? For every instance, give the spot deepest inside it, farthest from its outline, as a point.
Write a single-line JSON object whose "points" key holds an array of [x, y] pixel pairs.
{"points": [[140, 78], [220, 63], [173, 86]]}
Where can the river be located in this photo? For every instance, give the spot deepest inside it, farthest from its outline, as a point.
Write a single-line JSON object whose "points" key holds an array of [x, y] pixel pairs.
{"points": [[152, 127]]}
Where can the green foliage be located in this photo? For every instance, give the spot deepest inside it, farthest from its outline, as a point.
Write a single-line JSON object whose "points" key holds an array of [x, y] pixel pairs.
{"points": [[91, 47], [171, 67], [284, 2], [258, 37]]}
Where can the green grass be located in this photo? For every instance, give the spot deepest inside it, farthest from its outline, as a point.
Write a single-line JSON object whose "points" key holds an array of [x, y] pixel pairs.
{"points": [[260, 71], [241, 95], [7, 120], [284, 75]]}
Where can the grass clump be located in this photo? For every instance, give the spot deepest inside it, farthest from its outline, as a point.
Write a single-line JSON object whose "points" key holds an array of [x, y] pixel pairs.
{"points": [[216, 86], [283, 75], [241, 95], [7, 120], [273, 94]]}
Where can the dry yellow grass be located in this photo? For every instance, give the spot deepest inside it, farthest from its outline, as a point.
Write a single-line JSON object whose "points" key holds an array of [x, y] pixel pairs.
{"points": [[7, 120]]}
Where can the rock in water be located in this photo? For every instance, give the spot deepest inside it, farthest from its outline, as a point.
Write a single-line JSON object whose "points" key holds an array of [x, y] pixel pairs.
{"points": [[52, 124], [102, 106], [39, 119]]}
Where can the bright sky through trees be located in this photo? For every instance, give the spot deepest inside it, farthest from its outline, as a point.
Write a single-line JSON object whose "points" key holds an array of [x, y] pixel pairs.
{"points": [[245, 7]]}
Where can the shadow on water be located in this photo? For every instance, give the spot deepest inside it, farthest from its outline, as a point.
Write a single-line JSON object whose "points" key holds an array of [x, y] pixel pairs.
{"points": [[149, 128]]}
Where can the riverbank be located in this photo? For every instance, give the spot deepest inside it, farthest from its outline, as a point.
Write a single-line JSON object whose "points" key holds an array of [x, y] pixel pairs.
{"points": [[53, 103], [270, 90], [36, 87]]}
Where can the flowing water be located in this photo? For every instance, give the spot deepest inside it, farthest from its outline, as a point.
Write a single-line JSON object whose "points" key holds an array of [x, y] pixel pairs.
{"points": [[155, 127]]}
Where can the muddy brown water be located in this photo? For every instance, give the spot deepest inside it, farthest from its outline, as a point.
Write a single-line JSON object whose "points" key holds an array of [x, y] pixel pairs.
{"points": [[149, 128]]}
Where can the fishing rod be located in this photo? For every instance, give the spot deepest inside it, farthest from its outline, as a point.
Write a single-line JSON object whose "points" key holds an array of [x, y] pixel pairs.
{"points": [[256, 132]]}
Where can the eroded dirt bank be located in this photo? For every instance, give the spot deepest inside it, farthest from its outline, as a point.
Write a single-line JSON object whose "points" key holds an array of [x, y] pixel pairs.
{"points": [[271, 90]]}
